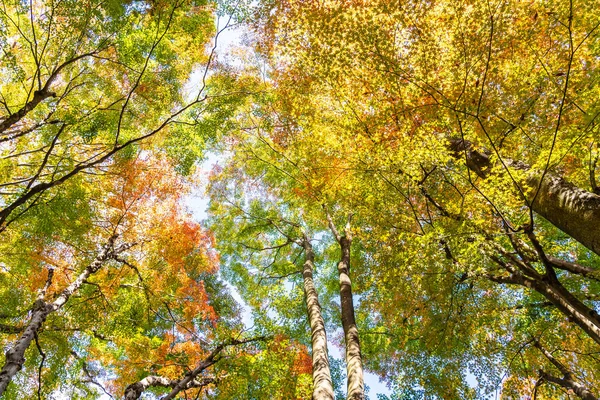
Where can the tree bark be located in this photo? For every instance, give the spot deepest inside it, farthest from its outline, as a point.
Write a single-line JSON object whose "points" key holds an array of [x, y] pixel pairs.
{"points": [[574, 309], [355, 380], [567, 380], [212, 358], [569, 384], [322, 384], [135, 390], [572, 210], [15, 356]]}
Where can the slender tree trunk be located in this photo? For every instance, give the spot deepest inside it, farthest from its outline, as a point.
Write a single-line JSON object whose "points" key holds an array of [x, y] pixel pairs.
{"points": [[356, 386], [572, 210], [322, 385], [15, 356]]}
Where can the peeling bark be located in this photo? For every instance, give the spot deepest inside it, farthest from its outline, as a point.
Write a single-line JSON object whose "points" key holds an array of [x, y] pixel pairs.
{"points": [[322, 384], [572, 210], [15, 356], [356, 386]]}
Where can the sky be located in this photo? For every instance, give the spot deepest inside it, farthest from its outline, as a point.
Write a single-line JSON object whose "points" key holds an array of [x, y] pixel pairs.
{"points": [[197, 203], [228, 40]]}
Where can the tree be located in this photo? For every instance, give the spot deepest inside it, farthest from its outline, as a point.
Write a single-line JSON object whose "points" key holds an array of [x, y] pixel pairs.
{"points": [[421, 113], [455, 142], [102, 268], [151, 299], [259, 193], [120, 81]]}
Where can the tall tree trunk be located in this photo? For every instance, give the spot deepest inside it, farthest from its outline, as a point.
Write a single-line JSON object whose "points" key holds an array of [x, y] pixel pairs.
{"points": [[322, 385], [572, 210], [356, 386], [15, 356]]}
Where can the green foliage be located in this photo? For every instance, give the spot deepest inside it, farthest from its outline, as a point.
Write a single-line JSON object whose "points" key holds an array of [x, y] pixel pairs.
{"points": [[430, 123], [367, 99]]}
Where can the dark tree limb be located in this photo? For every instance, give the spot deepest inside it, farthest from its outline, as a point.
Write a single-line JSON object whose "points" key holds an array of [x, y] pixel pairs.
{"points": [[135, 390], [40, 95], [571, 209], [567, 381]]}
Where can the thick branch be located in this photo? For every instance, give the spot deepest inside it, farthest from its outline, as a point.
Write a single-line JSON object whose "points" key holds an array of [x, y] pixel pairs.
{"points": [[573, 210], [573, 308], [569, 384], [135, 390], [567, 380], [212, 358], [574, 268]]}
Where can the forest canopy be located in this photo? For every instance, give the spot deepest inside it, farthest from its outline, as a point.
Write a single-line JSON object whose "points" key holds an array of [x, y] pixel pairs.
{"points": [[410, 184]]}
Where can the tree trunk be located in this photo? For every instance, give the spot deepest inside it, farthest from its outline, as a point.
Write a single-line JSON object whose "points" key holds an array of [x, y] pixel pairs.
{"points": [[322, 385], [356, 386], [15, 356], [572, 210]]}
